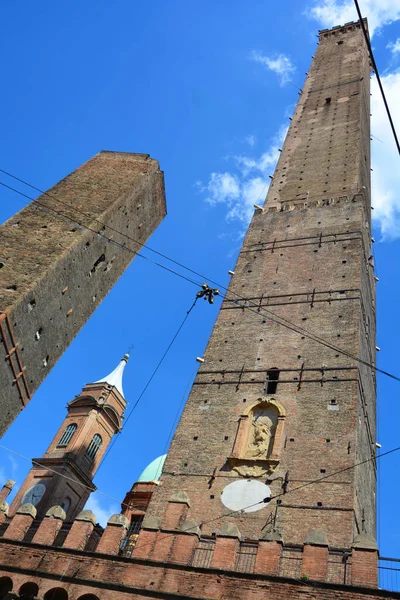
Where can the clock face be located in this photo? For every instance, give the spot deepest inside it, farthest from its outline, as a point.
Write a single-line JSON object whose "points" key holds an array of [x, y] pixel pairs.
{"points": [[34, 494]]}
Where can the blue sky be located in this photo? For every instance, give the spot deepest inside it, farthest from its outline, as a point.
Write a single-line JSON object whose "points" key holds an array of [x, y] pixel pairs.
{"points": [[206, 88]]}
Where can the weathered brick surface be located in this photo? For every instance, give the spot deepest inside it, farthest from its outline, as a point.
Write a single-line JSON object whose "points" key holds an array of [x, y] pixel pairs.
{"points": [[18, 527], [224, 553], [174, 515], [47, 531], [110, 541], [307, 260], [54, 274], [79, 535], [114, 578], [267, 560], [364, 571], [315, 562]]}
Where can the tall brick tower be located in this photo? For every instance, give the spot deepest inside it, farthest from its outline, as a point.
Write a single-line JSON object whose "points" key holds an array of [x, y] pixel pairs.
{"points": [[272, 415], [54, 273], [271, 406], [63, 476]]}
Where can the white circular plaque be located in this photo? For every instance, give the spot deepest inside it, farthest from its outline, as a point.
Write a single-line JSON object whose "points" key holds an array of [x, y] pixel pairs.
{"points": [[246, 495]]}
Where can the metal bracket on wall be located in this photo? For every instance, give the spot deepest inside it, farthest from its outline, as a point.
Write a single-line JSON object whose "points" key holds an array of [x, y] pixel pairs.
{"points": [[14, 358]]}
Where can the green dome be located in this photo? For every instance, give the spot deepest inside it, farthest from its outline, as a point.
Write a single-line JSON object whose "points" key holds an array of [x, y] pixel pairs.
{"points": [[153, 471]]}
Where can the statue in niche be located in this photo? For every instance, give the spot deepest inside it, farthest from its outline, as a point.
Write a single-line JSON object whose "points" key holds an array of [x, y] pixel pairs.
{"points": [[257, 447], [261, 435]]}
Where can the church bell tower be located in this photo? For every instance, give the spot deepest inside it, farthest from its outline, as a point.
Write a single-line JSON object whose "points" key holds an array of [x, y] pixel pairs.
{"points": [[63, 476]]}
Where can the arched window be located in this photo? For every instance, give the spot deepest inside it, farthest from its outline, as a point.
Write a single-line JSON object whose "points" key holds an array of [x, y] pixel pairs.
{"points": [[67, 435], [6, 586], [93, 447], [88, 597], [56, 594], [65, 504], [29, 590]]}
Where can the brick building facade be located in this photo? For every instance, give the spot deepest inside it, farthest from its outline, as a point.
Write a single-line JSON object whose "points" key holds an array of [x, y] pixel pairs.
{"points": [[45, 298], [272, 410]]}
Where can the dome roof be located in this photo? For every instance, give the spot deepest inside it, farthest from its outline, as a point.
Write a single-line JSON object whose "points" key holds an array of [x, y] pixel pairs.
{"points": [[153, 471]]}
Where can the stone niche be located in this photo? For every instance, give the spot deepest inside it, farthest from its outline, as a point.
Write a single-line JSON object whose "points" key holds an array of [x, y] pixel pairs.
{"points": [[258, 444]]}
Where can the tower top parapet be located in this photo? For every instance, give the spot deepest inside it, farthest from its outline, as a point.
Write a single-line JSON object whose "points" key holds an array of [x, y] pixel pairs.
{"points": [[350, 26]]}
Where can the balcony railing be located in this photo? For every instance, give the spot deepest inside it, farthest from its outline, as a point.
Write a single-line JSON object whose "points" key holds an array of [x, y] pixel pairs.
{"points": [[389, 574]]}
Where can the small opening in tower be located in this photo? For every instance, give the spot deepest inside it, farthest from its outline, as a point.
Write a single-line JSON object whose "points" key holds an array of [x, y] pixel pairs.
{"points": [[339, 42], [328, 100], [31, 305], [100, 260], [272, 380]]}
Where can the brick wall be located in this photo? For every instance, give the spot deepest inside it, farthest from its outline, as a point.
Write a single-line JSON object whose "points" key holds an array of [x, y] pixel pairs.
{"points": [[112, 577]]}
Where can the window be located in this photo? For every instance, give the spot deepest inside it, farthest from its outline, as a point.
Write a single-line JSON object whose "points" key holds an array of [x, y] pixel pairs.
{"points": [[66, 503], [272, 380], [131, 536], [67, 435], [29, 591], [93, 447]]}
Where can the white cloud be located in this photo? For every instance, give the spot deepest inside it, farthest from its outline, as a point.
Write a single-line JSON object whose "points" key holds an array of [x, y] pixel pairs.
{"points": [[279, 64], [385, 158], [338, 12], [250, 140], [394, 47], [103, 512], [222, 187], [246, 185]]}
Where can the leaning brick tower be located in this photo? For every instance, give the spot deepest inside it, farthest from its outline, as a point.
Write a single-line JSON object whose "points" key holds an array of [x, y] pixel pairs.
{"points": [[55, 270], [271, 405]]}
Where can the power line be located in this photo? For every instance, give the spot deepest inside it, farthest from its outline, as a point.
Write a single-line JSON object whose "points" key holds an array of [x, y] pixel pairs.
{"points": [[174, 423], [267, 500], [298, 329], [57, 215], [272, 316], [150, 379], [225, 515], [371, 54]]}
